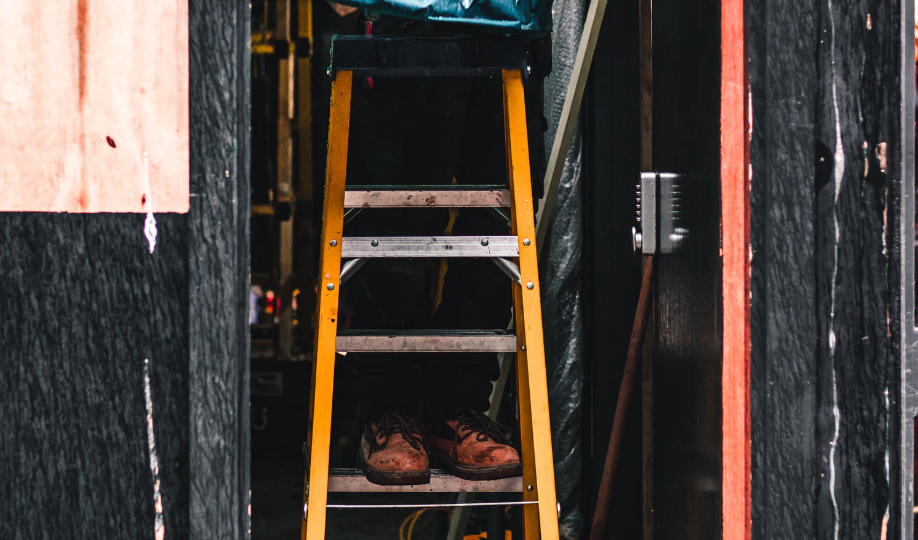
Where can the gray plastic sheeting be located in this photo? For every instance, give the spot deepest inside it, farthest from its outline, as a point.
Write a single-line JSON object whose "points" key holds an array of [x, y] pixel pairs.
{"points": [[524, 17], [561, 266]]}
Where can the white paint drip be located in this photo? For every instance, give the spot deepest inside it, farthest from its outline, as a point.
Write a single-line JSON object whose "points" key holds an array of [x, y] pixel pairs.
{"points": [[839, 171], [149, 224], [159, 527], [884, 528]]}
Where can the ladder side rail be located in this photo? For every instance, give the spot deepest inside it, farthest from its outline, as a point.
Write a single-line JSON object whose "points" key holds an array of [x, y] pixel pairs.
{"points": [[532, 380], [323, 370]]}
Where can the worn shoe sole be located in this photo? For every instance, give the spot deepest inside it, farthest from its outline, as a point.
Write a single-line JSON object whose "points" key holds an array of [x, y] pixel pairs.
{"points": [[466, 472], [396, 478]]}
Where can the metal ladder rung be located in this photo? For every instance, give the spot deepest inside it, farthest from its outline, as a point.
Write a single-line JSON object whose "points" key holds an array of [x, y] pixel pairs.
{"points": [[354, 247], [354, 481], [431, 198], [425, 341]]}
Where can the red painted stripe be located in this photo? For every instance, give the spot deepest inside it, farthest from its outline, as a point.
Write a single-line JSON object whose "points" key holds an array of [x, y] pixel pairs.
{"points": [[737, 518]]}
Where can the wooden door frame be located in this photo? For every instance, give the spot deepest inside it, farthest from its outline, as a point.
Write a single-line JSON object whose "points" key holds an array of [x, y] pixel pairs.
{"points": [[734, 164]]}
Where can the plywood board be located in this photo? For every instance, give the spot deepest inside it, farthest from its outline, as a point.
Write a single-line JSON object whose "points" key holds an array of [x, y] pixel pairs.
{"points": [[94, 106]]}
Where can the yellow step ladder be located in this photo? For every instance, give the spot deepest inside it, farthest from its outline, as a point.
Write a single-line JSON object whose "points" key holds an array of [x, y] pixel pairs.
{"points": [[384, 57]]}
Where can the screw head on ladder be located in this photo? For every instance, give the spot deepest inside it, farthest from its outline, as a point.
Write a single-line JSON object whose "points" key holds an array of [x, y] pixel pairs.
{"points": [[526, 241], [484, 242], [530, 286], [330, 286], [333, 243]]}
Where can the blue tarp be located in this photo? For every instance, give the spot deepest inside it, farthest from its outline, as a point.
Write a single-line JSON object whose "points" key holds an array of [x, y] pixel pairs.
{"points": [[513, 17]]}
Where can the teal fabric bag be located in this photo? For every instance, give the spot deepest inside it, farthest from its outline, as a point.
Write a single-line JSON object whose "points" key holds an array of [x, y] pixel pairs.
{"points": [[531, 18]]}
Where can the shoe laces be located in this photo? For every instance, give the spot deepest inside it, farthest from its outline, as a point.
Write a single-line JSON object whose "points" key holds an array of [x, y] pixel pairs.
{"points": [[478, 423], [396, 422]]}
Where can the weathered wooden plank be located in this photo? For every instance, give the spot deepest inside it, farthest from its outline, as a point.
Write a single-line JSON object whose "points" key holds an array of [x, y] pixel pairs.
{"points": [[855, 62], [780, 43], [94, 101], [84, 303], [826, 108], [218, 266]]}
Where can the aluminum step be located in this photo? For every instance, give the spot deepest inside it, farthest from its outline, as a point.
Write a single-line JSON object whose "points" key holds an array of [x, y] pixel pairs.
{"points": [[354, 247], [432, 198], [354, 481], [420, 341]]}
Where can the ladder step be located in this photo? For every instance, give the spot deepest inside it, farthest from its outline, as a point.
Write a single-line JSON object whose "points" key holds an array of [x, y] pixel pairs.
{"points": [[354, 481], [444, 198], [426, 341], [353, 247]]}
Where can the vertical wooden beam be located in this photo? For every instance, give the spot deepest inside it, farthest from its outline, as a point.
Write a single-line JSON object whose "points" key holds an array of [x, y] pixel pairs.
{"points": [[645, 70], [569, 113], [304, 246], [781, 39], [646, 83], [286, 109], [736, 479], [218, 268], [854, 131]]}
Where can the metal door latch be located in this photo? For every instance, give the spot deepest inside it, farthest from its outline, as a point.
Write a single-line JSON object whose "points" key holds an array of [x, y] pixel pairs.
{"points": [[660, 229]]}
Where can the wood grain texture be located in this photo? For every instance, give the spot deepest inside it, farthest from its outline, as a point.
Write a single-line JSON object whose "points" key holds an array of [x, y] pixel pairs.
{"points": [[825, 114], [734, 179], [782, 79], [84, 304], [852, 128], [219, 266], [687, 343], [94, 101]]}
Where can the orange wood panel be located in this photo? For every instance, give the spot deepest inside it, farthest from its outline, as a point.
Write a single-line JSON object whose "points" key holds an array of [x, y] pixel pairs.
{"points": [[735, 178], [94, 105]]}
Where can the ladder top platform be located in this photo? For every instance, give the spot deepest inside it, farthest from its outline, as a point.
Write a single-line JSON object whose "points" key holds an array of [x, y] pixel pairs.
{"points": [[460, 56]]}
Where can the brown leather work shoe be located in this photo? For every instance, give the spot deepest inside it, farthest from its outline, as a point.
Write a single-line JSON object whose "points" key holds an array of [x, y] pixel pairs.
{"points": [[394, 452], [472, 447]]}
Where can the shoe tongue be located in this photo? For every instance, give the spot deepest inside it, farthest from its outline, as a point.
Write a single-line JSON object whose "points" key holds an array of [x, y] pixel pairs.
{"points": [[467, 428], [395, 426]]}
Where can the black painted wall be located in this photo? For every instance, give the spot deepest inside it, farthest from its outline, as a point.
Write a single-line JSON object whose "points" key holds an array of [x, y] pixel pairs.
{"points": [[84, 304], [826, 155]]}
